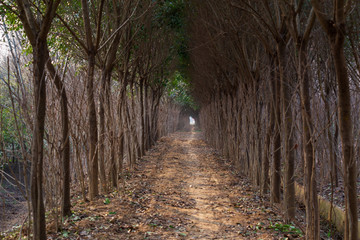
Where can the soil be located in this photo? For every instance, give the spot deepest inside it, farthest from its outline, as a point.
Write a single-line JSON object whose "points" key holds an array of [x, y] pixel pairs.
{"points": [[13, 208], [182, 189]]}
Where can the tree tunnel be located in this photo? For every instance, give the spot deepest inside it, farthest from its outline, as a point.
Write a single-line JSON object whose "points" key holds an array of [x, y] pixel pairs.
{"points": [[272, 85], [184, 123]]}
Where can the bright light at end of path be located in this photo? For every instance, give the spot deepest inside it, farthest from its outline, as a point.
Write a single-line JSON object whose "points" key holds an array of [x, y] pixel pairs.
{"points": [[192, 121]]}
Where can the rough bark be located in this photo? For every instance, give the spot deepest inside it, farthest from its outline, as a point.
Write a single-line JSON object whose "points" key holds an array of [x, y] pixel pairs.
{"points": [[287, 124], [37, 32], [142, 117], [336, 32], [276, 165], [37, 198], [65, 138], [93, 132], [147, 117], [265, 181], [345, 123], [102, 131], [91, 51], [332, 139], [105, 112], [311, 203]]}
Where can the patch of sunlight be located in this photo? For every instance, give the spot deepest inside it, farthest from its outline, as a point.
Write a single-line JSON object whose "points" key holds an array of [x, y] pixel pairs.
{"points": [[192, 120]]}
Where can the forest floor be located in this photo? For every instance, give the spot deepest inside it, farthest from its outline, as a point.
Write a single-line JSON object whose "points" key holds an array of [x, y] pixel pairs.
{"points": [[182, 189], [13, 207]]}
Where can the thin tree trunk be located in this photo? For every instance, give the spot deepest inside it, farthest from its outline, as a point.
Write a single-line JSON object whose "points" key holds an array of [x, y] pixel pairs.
{"points": [[336, 33], [93, 132], [111, 127], [37, 32], [80, 169], [122, 132], [102, 131], [276, 165], [266, 158], [345, 122], [146, 123], [332, 139], [65, 138], [91, 50], [311, 202], [135, 142], [142, 116], [287, 122], [37, 199]]}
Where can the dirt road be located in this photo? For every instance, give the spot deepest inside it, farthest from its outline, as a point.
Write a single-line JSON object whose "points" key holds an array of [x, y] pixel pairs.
{"points": [[182, 189]]}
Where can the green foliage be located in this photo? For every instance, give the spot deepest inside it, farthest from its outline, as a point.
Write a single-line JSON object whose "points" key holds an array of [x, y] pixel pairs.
{"points": [[10, 19], [171, 14], [286, 228], [60, 40], [8, 120], [171, 17], [178, 89], [107, 201], [65, 234]]}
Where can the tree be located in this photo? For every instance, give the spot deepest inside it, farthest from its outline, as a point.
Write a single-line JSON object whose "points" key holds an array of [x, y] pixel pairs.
{"points": [[336, 31], [65, 141], [37, 26], [302, 36]]}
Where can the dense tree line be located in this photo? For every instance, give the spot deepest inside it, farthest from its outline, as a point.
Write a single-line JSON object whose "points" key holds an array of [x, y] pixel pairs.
{"points": [[89, 86], [280, 79]]}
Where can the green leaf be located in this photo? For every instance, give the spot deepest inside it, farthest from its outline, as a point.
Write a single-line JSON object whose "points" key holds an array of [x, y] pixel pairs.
{"points": [[107, 201], [65, 234]]}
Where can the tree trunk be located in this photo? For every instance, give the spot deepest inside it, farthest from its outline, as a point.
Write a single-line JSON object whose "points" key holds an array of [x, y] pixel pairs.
{"points": [[287, 122], [37, 32], [65, 139], [142, 120], [130, 138], [37, 199], [336, 31], [111, 127], [146, 123], [121, 122], [77, 154], [93, 133], [311, 202], [345, 123], [332, 139], [135, 138], [102, 131], [259, 143], [276, 166], [265, 158], [105, 103]]}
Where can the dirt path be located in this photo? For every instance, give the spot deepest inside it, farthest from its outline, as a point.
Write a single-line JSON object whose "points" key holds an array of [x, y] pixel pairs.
{"points": [[202, 186], [181, 190], [13, 207], [192, 185]]}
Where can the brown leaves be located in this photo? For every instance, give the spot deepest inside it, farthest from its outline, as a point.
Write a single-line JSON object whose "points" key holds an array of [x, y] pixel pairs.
{"points": [[182, 190]]}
